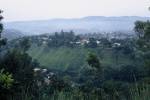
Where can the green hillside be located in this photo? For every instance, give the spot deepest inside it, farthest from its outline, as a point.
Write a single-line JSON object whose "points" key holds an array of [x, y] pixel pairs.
{"points": [[73, 58]]}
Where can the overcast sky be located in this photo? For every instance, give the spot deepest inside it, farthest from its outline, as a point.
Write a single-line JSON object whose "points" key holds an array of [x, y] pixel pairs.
{"points": [[47, 9]]}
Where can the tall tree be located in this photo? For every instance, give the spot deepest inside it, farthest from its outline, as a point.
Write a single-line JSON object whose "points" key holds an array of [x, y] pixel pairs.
{"points": [[2, 41], [144, 41], [93, 61], [1, 25], [139, 28], [6, 79]]}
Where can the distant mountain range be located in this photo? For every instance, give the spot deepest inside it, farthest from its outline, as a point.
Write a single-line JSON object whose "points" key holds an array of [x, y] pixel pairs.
{"points": [[79, 25]]}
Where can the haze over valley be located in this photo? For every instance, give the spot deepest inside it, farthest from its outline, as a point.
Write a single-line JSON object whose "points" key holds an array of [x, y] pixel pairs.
{"points": [[84, 25]]}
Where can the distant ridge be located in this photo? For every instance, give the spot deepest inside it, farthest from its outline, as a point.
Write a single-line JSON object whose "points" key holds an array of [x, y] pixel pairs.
{"points": [[79, 25], [11, 34]]}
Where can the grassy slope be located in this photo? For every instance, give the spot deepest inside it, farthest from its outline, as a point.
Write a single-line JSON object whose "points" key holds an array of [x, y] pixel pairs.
{"points": [[74, 58]]}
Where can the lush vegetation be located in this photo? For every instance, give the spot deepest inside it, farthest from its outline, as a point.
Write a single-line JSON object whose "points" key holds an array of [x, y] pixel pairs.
{"points": [[65, 66]]}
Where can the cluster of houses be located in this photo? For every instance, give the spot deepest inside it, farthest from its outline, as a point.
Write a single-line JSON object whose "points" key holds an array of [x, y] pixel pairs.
{"points": [[44, 39], [84, 41]]}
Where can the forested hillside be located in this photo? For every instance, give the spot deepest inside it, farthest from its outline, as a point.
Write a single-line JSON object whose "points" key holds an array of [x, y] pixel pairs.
{"points": [[73, 54]]}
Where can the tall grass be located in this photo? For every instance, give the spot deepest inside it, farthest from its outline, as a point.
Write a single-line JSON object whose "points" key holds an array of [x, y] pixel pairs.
{"points": [[137, 92], [140, 93]]}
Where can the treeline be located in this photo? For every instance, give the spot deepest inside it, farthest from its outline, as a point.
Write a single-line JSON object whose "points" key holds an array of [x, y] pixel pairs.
{"points": [[69, 39]]}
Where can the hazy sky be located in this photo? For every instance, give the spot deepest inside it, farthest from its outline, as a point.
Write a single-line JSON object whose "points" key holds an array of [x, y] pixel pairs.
{"points": [[47, 9]]}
